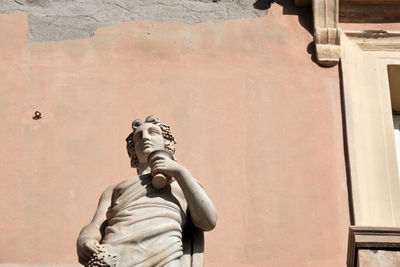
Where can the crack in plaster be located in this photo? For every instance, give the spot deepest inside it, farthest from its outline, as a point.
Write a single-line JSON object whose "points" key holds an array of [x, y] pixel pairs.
{"points": [[55, 20]]}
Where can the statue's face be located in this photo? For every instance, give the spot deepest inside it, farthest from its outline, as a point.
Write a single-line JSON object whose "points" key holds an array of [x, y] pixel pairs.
{"points": [[147, 138]]}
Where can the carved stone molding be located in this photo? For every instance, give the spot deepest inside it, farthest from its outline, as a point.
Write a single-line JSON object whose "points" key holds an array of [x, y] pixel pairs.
{"points": [[375, 40], [326, 31], [371, 238]]}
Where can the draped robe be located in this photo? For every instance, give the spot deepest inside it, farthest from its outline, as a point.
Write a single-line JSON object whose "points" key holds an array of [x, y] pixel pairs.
{"points": [[144, 225]]}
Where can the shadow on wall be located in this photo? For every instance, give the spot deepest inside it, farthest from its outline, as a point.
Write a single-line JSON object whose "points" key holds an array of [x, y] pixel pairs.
{"points": [[304, 15], [263, 4]]}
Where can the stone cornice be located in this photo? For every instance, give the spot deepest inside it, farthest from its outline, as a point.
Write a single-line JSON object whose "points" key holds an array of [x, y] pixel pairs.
{"points": [[375, 40]]}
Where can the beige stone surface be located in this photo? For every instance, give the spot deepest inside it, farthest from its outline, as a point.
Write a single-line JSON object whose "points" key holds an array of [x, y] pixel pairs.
{"points": [[326, 31], [259, 125], [378, 258], [369, 125]]}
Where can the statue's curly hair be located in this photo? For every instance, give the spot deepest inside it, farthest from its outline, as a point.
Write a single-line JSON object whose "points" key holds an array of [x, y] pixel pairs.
{"points": [[169, 140]]}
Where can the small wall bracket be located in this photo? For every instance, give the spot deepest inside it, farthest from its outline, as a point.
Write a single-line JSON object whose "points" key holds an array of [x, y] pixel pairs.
{"points": [[326, 31]]}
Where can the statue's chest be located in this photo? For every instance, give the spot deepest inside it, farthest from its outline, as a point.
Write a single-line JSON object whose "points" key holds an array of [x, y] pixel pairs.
{"points": [[137, 195]]}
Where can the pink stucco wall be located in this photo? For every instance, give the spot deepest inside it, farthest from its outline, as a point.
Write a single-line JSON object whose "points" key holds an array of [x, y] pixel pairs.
{"points": [[370, 26], [257, 122]]}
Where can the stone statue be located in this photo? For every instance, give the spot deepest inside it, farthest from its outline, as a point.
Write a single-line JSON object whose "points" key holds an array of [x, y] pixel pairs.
{"points": [[144, 222]]}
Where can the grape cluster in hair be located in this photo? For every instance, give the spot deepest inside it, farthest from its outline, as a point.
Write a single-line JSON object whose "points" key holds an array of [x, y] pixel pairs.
{"points": [[169, 140]]}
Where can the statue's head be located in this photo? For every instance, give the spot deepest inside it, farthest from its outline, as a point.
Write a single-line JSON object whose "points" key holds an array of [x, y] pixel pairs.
{"points": [[147, 136]]}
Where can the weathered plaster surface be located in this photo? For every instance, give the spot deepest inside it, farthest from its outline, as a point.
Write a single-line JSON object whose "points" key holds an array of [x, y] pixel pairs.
{"points": [[53, 20]]}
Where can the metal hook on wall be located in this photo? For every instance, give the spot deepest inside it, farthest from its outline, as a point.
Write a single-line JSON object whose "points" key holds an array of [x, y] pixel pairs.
{"points": [[37, 116]]}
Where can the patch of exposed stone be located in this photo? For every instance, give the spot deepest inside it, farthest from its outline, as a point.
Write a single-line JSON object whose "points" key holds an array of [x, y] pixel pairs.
{"points": [[53, 20]]}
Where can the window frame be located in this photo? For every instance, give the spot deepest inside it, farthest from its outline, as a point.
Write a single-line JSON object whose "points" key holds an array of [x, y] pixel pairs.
{"points": [[371, 156]]}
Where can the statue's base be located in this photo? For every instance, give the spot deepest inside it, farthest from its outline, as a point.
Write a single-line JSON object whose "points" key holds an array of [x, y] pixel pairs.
{"points": [[373, 247]]}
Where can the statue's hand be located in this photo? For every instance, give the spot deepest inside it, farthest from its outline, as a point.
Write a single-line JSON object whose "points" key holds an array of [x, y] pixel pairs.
{"points": [[87, 249], [167, 166]]}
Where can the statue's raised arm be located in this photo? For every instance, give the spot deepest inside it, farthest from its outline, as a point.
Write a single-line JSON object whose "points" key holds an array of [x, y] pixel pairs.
{"points": [[140, 222]]}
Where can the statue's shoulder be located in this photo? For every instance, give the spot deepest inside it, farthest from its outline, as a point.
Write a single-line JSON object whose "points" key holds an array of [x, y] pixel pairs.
{"points": [[125, 182], [129, 181], [107, 193]]}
